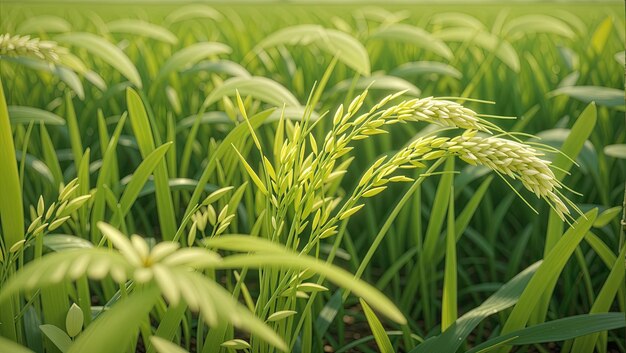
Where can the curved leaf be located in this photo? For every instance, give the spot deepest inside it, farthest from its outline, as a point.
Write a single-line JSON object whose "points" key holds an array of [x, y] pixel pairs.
{"points": [[261, 88], [192, 12], [452, 338], [413, 35], [610, 97], [45, 24], [501, 48], [348, 49], [60, 339], [190, 55], [551, 267], [62, 242], [379, 82], [103, 49], [382, 15], [142, 28], [140, 176], [219, 66], [616, 151], [378, 331], [425, 67], [164, 346], [529, 24], [24, 115], [557, 330], [458, 19]]}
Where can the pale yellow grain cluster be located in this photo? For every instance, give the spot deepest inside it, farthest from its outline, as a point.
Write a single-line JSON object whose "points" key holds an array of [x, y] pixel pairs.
{"points": [[26, 46], [437, 111]]}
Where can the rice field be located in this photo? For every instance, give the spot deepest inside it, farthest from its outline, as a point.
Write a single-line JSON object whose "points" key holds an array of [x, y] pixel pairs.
{"points": [[291, 177]]}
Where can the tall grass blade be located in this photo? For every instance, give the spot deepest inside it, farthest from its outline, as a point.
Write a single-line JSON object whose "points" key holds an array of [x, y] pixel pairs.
{"points": [[145, 140], [550, 268], [554, 331], [382, 340]]}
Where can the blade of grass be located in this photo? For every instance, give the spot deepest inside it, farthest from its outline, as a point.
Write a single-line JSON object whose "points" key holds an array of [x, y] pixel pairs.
{"points": [[11, 207], [549, 270], [449, 300], [145, 140], [378, 331], [603, 302]]}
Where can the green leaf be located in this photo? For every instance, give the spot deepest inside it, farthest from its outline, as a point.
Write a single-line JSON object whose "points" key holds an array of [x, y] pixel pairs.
{"points": [[62, 242], [616, 151], [601, 36], [551, 267], [113, 331], [140, 176], [413, 35], [610, 97], [106, 51], [236, 344], [347, 48], [603, 301], [458, 19], [72, 127], [438, 214], [557, 330], [449, 311], [218, 66], [74, 320], [279, 315], [165, 346], [7, 345], [191, 55], [261, 88], [414, 68], [607, 216], [450, 340], [146, 142], [11, 207], [530, 24], [255, 178], [24, 115], [50, 155], [104, 179], [378, 82], [242, 243], [192, 12], [502, 49], [142, 28], [382, 340], [573, 144], [43, 24], [60, 339]]}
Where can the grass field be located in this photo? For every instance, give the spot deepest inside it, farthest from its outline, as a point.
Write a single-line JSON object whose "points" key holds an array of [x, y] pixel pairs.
{"points": [[312, 178]]}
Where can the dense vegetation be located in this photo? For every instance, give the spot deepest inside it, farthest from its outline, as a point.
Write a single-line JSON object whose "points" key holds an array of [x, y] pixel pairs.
{"points": [[292, 174]]}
